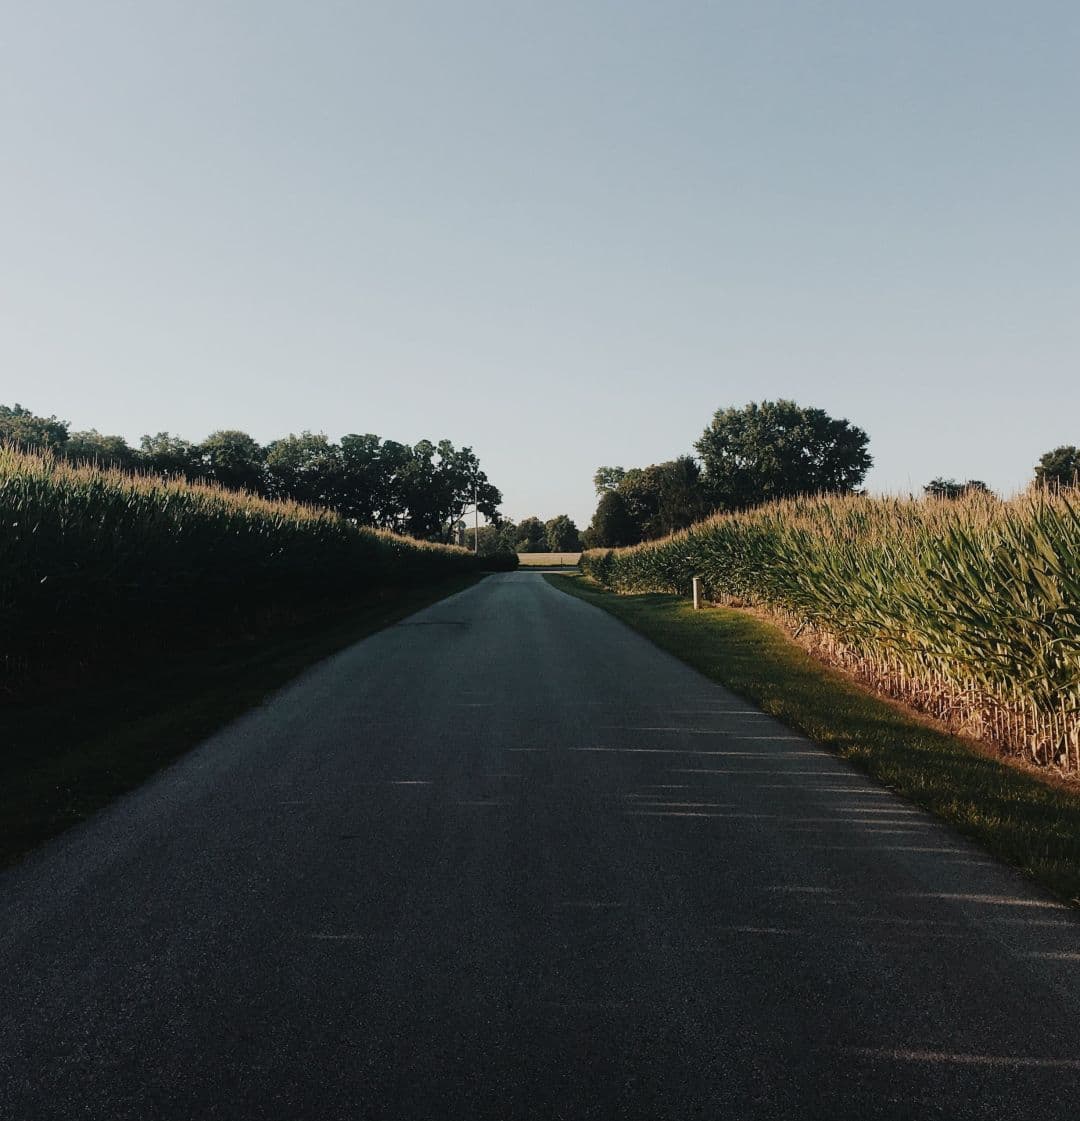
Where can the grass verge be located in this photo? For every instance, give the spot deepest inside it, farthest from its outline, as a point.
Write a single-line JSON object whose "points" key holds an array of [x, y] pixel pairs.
{"points": [[1017, 816], [68, 754]]}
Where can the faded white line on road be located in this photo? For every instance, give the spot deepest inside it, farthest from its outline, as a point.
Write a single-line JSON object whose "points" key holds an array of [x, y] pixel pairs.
{"points": [[1010, 921], [800, 889], [960, 1058], [802, 788], [696, 751], [749, 930], [703, 731], [753, 771], [992, 900], [904, 922], [717, 712], [586, 1006], [887, 848], [682, 805], [875, 810], [839, 822], [902, 830]]}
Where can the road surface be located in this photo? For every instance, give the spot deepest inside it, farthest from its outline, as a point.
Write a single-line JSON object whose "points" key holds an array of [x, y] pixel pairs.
{"points": [[508, 860]]}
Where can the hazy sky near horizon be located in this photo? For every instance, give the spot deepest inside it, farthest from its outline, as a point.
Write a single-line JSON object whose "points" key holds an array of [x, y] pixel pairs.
{"points": [[562, 233]]}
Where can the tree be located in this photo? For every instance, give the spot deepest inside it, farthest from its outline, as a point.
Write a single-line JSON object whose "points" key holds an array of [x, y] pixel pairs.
{"points": [[495, 537], [22, 428], [233, 459], [1060, 467], [562, 535], [103, 451], [664, 497], [379, 474], [612, 524], [950, 488], [171, 456], [367, 468], [435, 485], [490, 540], [657, 500], [638, 491], [778, 449], [607, 478], [683, 497], [307, 468], [531, 536], [462, 485]]}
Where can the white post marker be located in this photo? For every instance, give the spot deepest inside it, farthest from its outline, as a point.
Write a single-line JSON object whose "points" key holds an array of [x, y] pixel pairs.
{"points": [[697, 592]]}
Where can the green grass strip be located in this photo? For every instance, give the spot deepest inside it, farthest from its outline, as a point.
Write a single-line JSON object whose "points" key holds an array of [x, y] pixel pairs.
{"points": [[1014, 815], [70, 751]]}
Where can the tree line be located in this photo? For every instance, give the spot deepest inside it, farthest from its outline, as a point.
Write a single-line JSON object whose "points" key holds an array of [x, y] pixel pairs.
{"points": [[421, 490], [530, 535], [747, 456], [1057, 468], [756, 454]]}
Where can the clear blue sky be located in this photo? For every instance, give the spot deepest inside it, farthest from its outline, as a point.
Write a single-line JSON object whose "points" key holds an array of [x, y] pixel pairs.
{"points": [[561, 232]]}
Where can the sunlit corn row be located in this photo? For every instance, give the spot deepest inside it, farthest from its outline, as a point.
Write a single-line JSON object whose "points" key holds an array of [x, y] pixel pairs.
{"points": [[90, 556], [968, 609]]}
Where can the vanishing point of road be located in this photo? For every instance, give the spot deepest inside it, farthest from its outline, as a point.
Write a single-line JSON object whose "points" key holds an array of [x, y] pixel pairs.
{"points": [[507, 860]]}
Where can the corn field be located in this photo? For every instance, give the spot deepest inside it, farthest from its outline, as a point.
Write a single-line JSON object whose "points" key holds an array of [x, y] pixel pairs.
{"points": [[967, 609], [93, 559]]}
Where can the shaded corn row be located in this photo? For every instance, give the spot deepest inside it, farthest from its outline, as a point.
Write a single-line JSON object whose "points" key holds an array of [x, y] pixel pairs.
{"points": [[90, 558], [968, 609]]}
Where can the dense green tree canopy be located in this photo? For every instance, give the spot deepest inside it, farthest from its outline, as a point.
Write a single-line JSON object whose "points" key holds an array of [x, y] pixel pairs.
{"points": [[656, 500], [490, 539], [664, 497], [368, 466], [307, 468], [608, 478], [104, 451], [234, 460], [778, 449], [165, 454], [612, 524], [434, 486], [496, 537], [531, 536], [562, 535], [1060, 467], [950, 488], [21, 427], [683, 498]]}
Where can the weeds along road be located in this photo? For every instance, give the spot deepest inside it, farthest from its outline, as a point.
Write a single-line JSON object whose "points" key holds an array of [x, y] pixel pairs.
{"points": [[508, 860]]}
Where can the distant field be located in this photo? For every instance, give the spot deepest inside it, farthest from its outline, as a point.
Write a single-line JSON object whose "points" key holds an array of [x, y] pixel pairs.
{"points": [[548, 560]]}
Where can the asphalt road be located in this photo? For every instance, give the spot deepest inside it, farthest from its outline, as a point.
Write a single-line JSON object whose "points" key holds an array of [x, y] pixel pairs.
{"points": [[508, 860]]}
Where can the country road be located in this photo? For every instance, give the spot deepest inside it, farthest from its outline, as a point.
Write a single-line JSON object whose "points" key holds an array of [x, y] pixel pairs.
{"points": [[507, 860]]}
